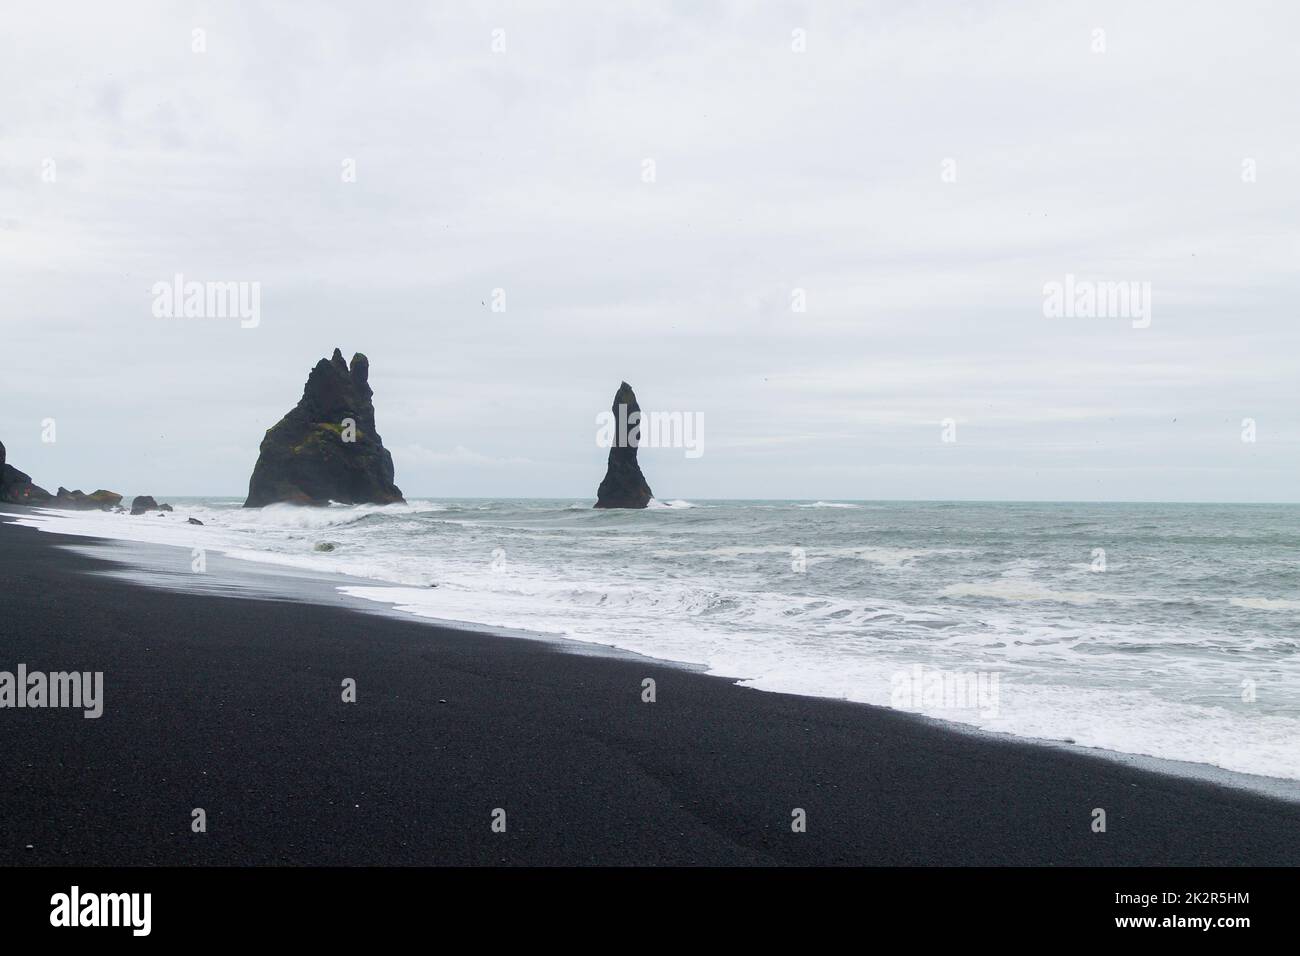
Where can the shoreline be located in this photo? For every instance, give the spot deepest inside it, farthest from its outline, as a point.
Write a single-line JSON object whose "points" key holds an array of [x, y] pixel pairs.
{"points": [[231, 703], [156, 565]]}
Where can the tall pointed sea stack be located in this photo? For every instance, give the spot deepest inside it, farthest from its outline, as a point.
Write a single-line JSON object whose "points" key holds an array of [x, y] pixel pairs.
{"points": [[624, 485], [326, 449]]}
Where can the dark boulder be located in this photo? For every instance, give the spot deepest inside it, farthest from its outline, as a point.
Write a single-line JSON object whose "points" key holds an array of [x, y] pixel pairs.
{"points": [[326, 448], [193, 521], [624, 485], [143, 503]]}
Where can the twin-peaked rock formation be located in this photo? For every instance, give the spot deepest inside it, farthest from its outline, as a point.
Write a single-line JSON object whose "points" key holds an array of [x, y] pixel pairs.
{"points": [[326, 448], [624, 485]]}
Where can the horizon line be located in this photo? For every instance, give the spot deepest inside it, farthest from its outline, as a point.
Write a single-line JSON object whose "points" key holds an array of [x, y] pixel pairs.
{"points": [[1027, 501]]}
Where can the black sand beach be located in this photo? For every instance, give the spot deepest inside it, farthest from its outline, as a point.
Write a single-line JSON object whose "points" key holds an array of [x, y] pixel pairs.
{"points": [[234, 706]]}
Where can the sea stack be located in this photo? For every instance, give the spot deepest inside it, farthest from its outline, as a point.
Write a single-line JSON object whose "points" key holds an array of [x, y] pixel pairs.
{"points": [[624, 485], [326, 448]]}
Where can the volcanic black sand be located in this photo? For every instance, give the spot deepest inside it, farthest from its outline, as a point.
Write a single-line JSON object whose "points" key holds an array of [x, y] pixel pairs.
{"points": [[235, 706]]}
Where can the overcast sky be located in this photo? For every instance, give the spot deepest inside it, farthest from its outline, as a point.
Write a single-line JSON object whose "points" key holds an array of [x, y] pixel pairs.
{"points": [[775, 170]]}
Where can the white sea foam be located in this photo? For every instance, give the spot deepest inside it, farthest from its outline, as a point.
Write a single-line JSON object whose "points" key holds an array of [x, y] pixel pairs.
{"points": [[1265, 604], [1017, 590], [893, 557]]}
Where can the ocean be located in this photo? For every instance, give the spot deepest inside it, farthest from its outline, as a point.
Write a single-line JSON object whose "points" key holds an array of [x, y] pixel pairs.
{"points": [[1168, 630]]}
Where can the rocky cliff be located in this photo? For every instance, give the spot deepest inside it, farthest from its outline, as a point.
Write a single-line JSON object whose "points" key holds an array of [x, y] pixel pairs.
{"points": [[16, 487], [326, 448]]}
